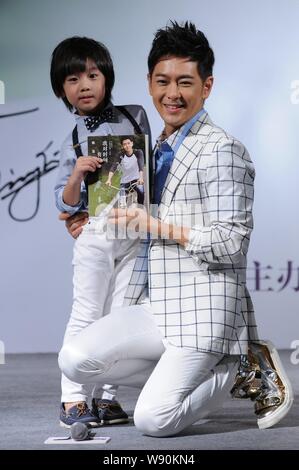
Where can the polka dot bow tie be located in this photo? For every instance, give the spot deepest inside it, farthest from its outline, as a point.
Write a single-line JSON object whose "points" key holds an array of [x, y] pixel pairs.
{"points": [[93, 122]]}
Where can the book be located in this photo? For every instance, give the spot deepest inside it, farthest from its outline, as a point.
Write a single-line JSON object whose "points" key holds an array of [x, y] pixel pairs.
{"points": [[123, 178]]}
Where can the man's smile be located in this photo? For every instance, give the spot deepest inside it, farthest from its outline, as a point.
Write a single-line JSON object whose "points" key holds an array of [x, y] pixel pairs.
{"points": [[173, 108]]}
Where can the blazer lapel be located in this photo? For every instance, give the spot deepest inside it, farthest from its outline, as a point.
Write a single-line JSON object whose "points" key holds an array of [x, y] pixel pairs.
{"points": [[183, 161]]}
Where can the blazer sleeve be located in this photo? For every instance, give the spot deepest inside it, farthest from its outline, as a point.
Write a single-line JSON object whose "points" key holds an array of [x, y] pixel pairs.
{"points": [[228, 205]]}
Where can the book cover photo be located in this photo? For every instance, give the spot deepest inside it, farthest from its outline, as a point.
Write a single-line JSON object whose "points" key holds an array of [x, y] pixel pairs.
{"points": [[123, 178]]}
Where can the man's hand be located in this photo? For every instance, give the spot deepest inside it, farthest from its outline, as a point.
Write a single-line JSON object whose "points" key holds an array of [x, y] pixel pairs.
{"points": [[74, 223], [139, 220], [133, 218]]}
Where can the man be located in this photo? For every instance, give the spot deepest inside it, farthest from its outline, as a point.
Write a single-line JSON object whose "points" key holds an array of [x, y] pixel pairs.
{"points": [[193, 316], [131, 162]]}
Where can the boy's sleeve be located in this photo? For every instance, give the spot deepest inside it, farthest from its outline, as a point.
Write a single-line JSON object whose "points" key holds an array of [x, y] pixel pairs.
{"points": [[66, 166]]}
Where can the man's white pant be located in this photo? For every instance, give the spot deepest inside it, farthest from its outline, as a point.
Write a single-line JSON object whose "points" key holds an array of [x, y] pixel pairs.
{"points": [[182, 385], [102, 270]]}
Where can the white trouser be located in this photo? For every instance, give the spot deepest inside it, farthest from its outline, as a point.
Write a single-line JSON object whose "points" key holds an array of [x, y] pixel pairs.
{"points": [[102, 270], [182, 385]]}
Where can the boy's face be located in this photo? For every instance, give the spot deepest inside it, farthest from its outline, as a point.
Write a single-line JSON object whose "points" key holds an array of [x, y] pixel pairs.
{"points": [[177, 90], [85, 90]]}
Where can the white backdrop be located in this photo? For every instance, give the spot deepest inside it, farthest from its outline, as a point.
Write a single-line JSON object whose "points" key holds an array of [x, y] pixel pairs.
{"points": [[255, 98]]}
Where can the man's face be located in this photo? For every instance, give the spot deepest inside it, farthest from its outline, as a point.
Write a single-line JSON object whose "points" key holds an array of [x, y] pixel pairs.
{"points": [[177, 90], [127, 146], [85, 90]]}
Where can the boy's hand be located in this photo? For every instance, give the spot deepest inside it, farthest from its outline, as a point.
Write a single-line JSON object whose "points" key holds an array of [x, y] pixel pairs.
{"points": [[74, 223], [84, 165]]}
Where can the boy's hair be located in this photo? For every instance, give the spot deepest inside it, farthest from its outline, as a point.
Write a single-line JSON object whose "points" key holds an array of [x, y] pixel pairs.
{"points": [[182, 41], [70, 57]]}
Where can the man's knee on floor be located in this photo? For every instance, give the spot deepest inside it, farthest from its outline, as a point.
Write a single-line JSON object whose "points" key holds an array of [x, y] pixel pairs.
{"points": [[156, 421]]}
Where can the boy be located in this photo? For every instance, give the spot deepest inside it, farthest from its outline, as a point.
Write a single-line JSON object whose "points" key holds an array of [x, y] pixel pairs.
{"points": [[82, 75]]}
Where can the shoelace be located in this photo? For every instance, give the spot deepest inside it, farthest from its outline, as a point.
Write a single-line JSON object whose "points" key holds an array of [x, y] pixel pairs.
{"points": [[82, 408]]}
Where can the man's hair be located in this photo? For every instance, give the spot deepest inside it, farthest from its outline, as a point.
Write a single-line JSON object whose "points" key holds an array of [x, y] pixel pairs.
{"points": [[182, 41], [70, 57], [126, 137]]}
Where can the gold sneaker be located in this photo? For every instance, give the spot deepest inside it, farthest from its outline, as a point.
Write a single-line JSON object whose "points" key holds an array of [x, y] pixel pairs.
{"points": [[248, 379], [262, 378], [276, 395]]}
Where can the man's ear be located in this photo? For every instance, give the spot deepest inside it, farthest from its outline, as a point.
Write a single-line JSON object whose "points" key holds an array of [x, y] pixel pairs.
{"points": [[207, 87], [149, 83]]}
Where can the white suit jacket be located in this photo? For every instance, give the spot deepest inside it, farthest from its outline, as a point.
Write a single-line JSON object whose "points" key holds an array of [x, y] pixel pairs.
{"points": [[198, 293]]}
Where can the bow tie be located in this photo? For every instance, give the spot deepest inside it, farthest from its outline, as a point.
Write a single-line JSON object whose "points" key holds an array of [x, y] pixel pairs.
{"points": [[93, 122]]}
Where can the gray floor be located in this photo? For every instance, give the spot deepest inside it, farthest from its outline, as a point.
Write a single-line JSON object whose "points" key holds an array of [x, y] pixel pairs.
{"points": [[29, 402]]}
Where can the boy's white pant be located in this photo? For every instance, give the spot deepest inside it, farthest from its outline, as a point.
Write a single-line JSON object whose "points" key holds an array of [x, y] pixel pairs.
{"points": [[180, 385], [102, 270]]}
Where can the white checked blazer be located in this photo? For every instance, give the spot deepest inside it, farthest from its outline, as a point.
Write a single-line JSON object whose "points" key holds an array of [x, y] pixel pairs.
{"points": [[198, 293]]}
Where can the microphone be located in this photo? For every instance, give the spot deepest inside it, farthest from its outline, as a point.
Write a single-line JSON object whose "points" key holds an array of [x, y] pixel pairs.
{"points": [[80, 432]]}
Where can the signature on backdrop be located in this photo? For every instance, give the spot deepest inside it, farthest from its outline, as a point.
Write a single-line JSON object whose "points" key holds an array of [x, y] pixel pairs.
{"points": [[12, 189]]}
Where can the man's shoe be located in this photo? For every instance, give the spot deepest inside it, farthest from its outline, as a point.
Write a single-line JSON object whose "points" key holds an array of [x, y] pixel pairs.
{"points": [[276, 396], [263, 379], [79, 413], [109, 411], [248, 379]]}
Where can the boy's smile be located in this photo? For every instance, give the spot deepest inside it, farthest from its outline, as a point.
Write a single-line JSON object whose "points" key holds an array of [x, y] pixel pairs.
{"points": [[85, 91]]}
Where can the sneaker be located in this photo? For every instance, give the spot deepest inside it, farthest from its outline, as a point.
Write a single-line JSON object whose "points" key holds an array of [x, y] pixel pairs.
{"points": [[248, 379], [79, 413], [263, 379], [276, 396], [109, 411]]}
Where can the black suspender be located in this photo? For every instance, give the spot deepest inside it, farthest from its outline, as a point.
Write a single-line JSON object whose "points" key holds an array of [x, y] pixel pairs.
{"points": [[129, 116], [76, 145]]}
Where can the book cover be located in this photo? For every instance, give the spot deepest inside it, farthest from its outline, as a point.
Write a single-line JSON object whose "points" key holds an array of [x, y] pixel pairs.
{"points": [[123, 178]]}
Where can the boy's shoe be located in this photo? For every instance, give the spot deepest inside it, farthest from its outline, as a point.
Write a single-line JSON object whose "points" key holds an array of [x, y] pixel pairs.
{"points": [[79, 413], [109, 411], [263, 379]]}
